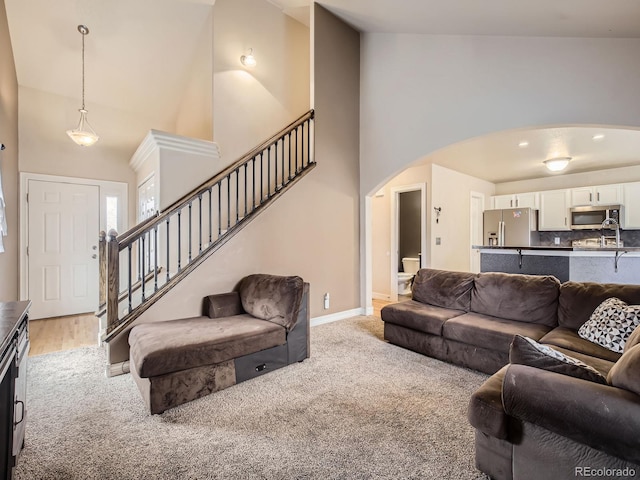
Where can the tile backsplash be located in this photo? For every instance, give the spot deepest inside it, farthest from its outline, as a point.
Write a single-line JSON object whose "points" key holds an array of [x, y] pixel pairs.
{"points": [[630, 238]]}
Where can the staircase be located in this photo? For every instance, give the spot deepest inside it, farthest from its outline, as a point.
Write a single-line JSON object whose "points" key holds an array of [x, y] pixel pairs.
{"points": [[140, 266]]}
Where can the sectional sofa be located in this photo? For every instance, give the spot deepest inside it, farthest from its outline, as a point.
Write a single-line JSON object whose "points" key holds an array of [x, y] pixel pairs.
{"points": [[531, 421]]}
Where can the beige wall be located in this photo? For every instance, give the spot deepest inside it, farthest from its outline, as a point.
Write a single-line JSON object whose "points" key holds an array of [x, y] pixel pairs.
{"points": [[451, 191], [9, 161], [251, 104], [311, 231]]}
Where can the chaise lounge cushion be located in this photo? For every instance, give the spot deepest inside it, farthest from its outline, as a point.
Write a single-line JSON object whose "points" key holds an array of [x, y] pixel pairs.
{"points": [[418, 316], [272, 298], [569, 339], [524, 298], [490, 332], [163, 347], [443, 288]]}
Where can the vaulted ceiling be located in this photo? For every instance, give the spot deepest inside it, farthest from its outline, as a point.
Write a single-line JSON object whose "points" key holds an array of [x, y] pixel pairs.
{"points": [[140, 52]]}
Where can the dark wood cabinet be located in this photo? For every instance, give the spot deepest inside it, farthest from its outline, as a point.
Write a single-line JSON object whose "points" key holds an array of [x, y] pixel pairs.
{"points": [[14, 350]]}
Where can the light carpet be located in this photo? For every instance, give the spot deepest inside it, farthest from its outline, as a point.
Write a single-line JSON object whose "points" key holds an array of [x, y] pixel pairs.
{"points": [[359, 408]]}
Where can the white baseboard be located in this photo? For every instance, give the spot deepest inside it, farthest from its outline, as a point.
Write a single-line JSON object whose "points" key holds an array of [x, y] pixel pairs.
{"points": [[116, 369], [380, 296], [334, 317], [368, 311]]}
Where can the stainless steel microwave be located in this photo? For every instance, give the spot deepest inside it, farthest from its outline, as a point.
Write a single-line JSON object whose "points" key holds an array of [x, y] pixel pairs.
{"points": [[592, 217]]}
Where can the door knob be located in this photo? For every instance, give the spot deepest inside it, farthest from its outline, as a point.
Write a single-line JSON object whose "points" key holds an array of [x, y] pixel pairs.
{"points": [[94, 248], [94, 256]]}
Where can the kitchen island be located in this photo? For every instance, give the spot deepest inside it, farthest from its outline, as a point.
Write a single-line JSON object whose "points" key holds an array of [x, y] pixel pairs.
{"points": [[580, 264]]}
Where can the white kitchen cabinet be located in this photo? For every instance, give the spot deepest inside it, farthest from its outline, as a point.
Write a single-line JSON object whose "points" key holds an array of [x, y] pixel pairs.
{"points": [[596, 195], [631, 206], [519, 200], [554, 210]]}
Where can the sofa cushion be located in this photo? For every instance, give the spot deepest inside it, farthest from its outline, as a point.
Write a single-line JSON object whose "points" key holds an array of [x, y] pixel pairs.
{"points": [[526, 351], [485, 407], [626, 372], [490, 332], [578, 300], [611, 324], [273, 298], [524, 298], [569, 339], [418, 316], [164, 347], [601, 365], [443, 288]]}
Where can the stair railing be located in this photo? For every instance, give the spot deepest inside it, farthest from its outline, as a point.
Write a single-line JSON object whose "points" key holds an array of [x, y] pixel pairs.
{"points": [[142, 264]]}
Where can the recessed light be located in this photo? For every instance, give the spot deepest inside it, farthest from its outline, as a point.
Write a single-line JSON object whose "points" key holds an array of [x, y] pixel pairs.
{"points": [[523, 144], [598, 136]]}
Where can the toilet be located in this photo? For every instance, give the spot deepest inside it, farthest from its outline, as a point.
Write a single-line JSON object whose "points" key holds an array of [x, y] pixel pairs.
{"points": [[410, 266]]}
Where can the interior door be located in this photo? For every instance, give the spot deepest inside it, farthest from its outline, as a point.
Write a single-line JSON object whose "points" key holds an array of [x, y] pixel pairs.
{"points": [[63, 228]]}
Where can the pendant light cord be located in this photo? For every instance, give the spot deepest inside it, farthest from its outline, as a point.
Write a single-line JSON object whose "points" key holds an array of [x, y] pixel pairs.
{"points": [[83, 35]]}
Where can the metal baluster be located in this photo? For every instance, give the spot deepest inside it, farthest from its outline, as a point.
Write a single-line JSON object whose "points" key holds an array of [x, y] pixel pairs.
{"points": [[289, 156], [155, 258], [219, 208], [261, 177], [189, 235], [302, 159], [253, 184], [297, 149], [308, 142], [245, 189], [129, 277], [179, 240], [237, 194], [282, 149], [168, 218], [275, 181], [142, 280], [199, 223], [210, 217], [228, 202], [269, 172]]}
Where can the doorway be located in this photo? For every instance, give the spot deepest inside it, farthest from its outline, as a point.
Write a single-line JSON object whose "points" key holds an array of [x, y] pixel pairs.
{"points": [[60, 221], [408, 229]]}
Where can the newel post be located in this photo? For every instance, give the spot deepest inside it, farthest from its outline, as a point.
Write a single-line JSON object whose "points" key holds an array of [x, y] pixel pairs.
{"points": [[102, 265], [113, 280]]}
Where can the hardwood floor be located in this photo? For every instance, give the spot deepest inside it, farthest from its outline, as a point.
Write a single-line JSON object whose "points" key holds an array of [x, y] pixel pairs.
{"points": [[62, 333]]}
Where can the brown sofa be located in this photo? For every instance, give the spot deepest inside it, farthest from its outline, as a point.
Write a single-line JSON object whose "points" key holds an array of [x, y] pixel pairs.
{"points": [[530, 423], [261, 327]]}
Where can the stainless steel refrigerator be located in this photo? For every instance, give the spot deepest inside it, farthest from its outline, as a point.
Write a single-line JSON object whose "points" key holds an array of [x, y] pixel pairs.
{"points": [[511, 227]]}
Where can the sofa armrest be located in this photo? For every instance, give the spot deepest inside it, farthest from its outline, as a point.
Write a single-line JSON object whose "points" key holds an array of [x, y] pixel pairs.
{"points": [[222, 305], [604, 417]]}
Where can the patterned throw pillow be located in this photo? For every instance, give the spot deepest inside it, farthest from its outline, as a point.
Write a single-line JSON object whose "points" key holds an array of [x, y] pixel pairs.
{"points": [[526, 351], [611, 324]]}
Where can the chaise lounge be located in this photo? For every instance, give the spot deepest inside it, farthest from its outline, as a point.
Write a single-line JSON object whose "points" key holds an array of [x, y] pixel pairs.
{"points": [[261, 327]]}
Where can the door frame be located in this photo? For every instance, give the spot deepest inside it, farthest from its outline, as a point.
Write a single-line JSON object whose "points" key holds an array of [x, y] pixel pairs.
{"points": [[105, 189], [395, 227], [474, 195]]}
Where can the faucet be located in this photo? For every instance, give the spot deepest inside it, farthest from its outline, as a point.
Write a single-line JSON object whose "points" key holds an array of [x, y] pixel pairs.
{"points": [[614, 222]]}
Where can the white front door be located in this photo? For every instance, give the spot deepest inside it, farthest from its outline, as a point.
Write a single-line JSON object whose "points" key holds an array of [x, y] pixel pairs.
{"points": [[63, 230]]}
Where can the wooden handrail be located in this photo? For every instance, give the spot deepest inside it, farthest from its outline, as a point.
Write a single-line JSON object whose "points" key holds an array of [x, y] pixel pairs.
{"points": [[131, 235]]}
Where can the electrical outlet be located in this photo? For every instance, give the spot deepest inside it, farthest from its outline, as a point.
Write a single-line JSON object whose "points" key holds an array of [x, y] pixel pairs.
{"points": [[556, 240], [438, 241], [326, 301]]}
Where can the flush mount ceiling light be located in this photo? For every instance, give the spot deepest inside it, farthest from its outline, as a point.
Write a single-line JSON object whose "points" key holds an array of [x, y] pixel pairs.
{"points": [[557, 164], [84, 135], [523, 144], [248, 60], [597, 137]]}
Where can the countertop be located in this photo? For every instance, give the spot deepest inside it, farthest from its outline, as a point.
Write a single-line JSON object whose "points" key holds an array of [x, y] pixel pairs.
{"points": [[11, 314], [559, 248]]}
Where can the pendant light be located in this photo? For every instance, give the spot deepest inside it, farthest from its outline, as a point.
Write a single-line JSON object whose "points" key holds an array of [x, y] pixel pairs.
{"points": [[84, 135]]}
